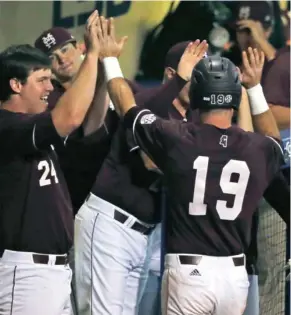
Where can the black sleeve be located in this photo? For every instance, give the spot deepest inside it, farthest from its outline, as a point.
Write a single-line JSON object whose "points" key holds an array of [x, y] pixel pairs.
{"points": [[152, 134], [276, 82], [22, 134], [78, 137], [278, 196], [274, 156], [109, 127], [163, 97]]}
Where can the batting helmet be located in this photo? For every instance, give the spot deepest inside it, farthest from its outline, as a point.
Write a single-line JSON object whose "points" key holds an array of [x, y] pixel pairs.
{"points": [[215, 84]]}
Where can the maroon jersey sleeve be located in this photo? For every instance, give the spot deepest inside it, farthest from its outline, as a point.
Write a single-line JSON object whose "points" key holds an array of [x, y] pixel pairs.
{"points": [[152, 134], [278, 196], [274, 157], [158, 100], [25, 134], [276, 83]]}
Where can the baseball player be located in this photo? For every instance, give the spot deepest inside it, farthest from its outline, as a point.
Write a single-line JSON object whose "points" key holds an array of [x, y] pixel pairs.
{"points": [[36, 221], [112, 227], [90, 144], [88, 147], [178, 109], [223, 171]]}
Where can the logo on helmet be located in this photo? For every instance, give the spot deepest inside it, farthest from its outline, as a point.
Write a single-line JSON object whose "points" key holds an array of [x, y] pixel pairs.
{"points": [[219, 99]]}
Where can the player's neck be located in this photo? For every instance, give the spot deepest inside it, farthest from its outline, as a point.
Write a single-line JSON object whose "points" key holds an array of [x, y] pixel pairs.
{"points": [[219, 121], [66, 84], [13, 106]]}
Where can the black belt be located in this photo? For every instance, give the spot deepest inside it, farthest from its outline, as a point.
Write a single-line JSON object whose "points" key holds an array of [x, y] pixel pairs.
{"points": [[44, 259], [120, 217], [195, 260]]}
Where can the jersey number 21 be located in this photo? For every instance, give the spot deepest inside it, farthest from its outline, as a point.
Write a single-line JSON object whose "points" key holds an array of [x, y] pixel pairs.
{"points": [[238, 189]]}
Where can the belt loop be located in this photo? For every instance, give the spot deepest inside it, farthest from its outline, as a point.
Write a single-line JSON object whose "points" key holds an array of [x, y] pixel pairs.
{"points": [[52, 260], [129, 221]]}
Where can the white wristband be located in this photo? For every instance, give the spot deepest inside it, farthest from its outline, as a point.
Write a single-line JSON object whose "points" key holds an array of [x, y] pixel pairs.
{"points": [[112, 68], [258, 103]]}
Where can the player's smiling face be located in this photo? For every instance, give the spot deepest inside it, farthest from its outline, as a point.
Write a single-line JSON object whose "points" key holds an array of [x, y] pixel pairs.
{"points": [[66, 61], [35, 90]]}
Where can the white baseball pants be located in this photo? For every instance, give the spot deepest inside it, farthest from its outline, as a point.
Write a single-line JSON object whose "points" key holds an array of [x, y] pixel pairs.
{"points": [[28, 288], [213, 286], [110, 260]]}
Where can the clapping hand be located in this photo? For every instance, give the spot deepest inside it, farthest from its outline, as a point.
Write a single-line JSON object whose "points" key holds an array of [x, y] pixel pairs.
{"points": [[90, 35], [109, 45], [194, 52]]}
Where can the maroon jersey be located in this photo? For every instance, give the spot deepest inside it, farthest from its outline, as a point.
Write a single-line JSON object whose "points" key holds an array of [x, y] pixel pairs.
{"points": [[276, 80], [123, 179], [36, 212], [215, 179], [82, 157]]}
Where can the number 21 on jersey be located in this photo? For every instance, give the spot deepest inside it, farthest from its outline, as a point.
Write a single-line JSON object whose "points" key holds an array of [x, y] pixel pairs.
{"points": [[238, 189]]}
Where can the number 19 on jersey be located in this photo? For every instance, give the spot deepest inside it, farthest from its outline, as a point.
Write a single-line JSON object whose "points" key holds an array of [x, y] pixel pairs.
{"points": [[238, 189]]}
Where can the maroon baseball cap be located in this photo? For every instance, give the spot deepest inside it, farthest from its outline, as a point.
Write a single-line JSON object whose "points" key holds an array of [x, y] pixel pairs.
{"points": [[261, 11], [174, 54], [53, 38]]}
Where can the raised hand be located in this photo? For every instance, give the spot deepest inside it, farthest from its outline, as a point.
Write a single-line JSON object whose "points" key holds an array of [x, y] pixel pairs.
{"points": [[90, 35], [194, 52], [253, 63], [110, 46], [255, 27]]}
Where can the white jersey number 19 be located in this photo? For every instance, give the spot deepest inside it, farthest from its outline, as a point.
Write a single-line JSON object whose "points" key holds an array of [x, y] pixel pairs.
{"points": [[238, 189]]}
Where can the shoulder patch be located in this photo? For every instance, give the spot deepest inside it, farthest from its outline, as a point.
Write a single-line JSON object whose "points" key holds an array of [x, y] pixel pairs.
{"points": [[148, 119]]}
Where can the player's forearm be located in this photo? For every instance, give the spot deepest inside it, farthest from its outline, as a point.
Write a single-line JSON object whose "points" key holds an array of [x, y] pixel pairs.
{"points": [[244, 113], [73, 105], [119, 91], [164, 97], [97, 112], [148, 163], [267, 48], [281, 115], [121, 95], [263, 119], [265, 124]]}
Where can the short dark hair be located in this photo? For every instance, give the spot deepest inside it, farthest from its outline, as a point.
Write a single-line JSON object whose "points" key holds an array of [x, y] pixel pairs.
{"points": [[18, 61]]}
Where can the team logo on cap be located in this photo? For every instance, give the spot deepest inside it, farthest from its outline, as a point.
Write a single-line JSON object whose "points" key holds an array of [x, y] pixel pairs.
{"points": [[49, 40], [244, 13]]}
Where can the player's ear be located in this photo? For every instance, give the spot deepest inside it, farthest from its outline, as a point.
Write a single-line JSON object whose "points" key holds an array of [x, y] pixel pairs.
{"points": [[268, 32], [80, 45], [15, 85], [169, 73]]}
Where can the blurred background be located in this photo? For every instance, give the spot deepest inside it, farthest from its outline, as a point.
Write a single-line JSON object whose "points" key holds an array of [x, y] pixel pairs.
{"points": [[153, 27]]}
